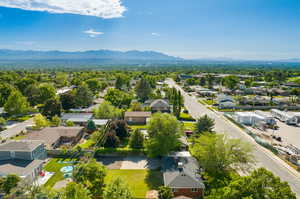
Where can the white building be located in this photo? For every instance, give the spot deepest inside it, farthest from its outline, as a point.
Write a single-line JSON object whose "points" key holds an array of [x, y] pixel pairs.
{"points": [[288, 118], [269, 118], [249, 118]]}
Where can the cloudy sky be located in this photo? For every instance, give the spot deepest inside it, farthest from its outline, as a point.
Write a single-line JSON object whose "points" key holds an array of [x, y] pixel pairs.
{"points": [[249, 29]]}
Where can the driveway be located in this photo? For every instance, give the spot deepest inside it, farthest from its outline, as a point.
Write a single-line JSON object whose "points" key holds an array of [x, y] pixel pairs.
{"points": [[11, 132], [134, 162]]}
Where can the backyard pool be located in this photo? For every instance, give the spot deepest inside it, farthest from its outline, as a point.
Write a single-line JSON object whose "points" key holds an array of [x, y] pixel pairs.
{"points": [[67, 169]]}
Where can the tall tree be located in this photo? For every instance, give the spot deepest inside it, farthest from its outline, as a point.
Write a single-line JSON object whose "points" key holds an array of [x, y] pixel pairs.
{"points": [[46, 92], [52, 107], [75, 191], [136, 140], [118, 98], [231, 81], [91, 175], [16, 104], [68, 100], [164, 133], [117, 189], [5, 91], [121, 81], [40, 121], [204, 124], [9, 182], [261, 184], [94, 85], [219, 154], [83, 96], [143, 90], [107, 111]]}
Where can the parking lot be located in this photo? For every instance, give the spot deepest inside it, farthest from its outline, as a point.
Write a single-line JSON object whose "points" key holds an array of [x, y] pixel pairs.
{"points": [[289, 134]]}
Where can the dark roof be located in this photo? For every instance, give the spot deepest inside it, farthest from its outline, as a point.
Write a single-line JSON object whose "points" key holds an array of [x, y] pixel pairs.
{"points": [[186, 177], [50, 135], [137, 114], [21, 168], [159, 103], [23, 145]]}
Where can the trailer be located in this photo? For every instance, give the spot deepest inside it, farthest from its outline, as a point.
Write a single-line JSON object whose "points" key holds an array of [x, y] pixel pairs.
{"points": [[269, 119], [283, 116], [249, 118]]}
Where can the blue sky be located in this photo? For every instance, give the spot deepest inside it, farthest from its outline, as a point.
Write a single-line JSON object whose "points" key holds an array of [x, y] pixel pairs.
{"points": [[248, 29]]}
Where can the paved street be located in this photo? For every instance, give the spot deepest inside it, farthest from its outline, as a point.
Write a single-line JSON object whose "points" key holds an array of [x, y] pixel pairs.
{"points": [[263, 157], [16, 129]]}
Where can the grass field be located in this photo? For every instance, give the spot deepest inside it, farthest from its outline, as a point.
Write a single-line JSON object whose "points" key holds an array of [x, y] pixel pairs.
{"points": [[54, 166], [138, 181], [133, 127], [188, 126]]}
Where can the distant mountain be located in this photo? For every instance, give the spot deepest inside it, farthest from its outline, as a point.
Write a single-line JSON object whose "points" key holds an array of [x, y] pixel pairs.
{"points": [[83, 55]]}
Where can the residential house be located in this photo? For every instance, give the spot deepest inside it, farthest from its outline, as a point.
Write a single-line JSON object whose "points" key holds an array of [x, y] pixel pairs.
{"points": [[77, 118], [160, 105], [137, 117], [54, 137], [24, 158], [181, 172], [225, 101]]}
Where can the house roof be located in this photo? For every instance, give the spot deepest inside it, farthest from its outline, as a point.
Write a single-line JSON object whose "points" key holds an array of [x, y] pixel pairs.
{"points": [[22, 145], [137, 114], [77, 116], [50, 135], [185, 177], [159, 103], [100, 122], [21, 168]]}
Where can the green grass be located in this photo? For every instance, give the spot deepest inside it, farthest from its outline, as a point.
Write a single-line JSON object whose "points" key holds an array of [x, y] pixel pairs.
{"points": [[86, 145], [20, 137], [133, 127], [188, 126], [138, 181], [186, 117], [208, 102], [54, 166]]}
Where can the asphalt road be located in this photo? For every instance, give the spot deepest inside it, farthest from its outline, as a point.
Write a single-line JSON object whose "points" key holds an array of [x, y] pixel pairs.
{"points": [[264, 158], [16, 129]]}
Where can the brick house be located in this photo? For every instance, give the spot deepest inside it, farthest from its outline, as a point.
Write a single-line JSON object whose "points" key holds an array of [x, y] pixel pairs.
{"points": [[181, 173], [137, 117]]}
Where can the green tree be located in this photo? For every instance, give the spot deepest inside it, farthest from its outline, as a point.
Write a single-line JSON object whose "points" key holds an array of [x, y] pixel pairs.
{"points": [[107, 111], [52, 107], [94, 85], [143, 90], [40, 121], [46, 92], [136, 140], [55, 121], [9, 182], [23, 83], [32, 92], [118, 98], [91, 175], [5, 91], [117, 189], [83, 96], [16, 104], [176, 99], [164, 133], [70, 123], [121, 81], [165, 193], [231, 81], [219, 154], [68, 100], [75, 191], [136, 106], [261, 184], [204, 124], [91, 126]]}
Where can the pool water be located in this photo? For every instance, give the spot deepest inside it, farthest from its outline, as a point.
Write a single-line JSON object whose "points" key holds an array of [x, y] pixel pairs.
{"points": [[67, 169]]}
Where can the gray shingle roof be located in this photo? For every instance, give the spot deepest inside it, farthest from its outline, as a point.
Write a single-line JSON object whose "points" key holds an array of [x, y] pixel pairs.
{"points": [[19, 167], [23, 145], [137, 114], [187, 177], [159, 103]]}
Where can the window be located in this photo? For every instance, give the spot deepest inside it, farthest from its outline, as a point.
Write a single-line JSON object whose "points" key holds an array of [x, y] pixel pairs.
{"points": [[174, 190], [194, 190]]}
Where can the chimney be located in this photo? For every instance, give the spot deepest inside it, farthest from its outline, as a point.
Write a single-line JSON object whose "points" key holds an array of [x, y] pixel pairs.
{"points": [[180, 166]]}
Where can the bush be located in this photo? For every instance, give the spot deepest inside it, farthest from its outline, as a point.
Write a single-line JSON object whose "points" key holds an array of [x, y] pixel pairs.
{"points": [[136, 140]]}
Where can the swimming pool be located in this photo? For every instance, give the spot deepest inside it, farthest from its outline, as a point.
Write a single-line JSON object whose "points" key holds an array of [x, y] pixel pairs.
{"points": [[67, 169]]}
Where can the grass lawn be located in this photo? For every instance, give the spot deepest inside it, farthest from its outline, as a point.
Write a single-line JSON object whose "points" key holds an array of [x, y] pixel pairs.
{"points": [[20, 137], [138, 181], [208, 102], [86, 144], [188, 126], [186, 117], [133, 127], [54, 166]]}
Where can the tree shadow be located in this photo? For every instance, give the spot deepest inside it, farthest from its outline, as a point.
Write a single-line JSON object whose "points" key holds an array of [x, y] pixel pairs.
{"points": [[154, 179]]}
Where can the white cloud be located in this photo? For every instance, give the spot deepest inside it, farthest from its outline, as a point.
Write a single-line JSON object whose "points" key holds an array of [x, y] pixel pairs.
{"points": [[155, 34], [99, 8], [93, 33]]}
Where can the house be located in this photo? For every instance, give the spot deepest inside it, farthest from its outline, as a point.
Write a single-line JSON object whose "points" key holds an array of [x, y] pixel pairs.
{"points": [[181, 173], [24, 158], [77, 118], [137, 117], [225, 101], [54, 137], [160, 105]]}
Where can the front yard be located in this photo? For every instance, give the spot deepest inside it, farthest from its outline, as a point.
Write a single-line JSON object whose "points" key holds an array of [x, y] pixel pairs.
{"points": [[138, 181]]}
